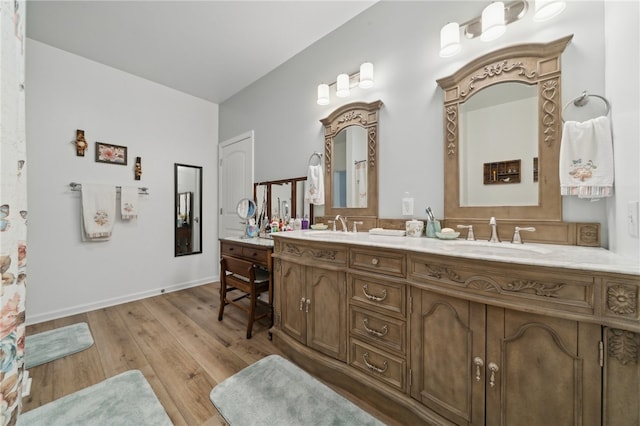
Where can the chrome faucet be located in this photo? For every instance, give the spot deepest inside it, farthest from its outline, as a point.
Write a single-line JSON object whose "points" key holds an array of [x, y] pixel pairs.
{"points": [[470, 235], [494, 231], [516, 234], [343, 222]]}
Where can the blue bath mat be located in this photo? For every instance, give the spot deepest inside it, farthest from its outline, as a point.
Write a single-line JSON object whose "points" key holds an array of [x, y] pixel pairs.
{"points": [[53, 344]]}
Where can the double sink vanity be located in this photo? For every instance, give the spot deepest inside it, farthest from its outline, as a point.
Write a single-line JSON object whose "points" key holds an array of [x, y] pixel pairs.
{"points": [[465, 332]]}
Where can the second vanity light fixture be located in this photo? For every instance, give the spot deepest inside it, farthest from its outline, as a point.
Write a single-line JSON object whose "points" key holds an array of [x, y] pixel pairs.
{"points": [[493, 22], [343, 84]]}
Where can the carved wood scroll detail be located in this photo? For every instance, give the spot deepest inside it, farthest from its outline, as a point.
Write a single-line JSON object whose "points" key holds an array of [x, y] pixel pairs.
{"points": [[549, 110], [352, 116], [540, 289], [622, 299], [327, 153], [372, 146], [623, 345], [318, 254], [487, 284], [451, 115], [496, 70]]}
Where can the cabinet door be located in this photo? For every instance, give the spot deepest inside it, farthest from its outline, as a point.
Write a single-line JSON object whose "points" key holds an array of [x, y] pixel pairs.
{"points": [[447, 334], [326, 319], [293, 301], [548, 371]]}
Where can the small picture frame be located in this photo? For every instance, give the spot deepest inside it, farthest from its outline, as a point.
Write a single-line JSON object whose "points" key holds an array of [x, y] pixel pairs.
{"points": [[111, 154]]}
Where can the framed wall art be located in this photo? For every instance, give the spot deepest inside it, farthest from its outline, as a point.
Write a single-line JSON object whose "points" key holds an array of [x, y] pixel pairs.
{"points": [[111, 154]]}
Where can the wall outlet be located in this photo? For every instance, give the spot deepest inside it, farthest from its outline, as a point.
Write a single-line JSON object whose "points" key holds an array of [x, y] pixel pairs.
{"points": [[632, 218], [407, 206]]}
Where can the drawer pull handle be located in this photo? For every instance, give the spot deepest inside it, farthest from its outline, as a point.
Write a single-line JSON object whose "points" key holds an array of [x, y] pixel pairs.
{"points": [[493, 367], [372, 297], [301, 303], [306, 309], [477, 361], [374, 261], [373, 332], [365, 357]]}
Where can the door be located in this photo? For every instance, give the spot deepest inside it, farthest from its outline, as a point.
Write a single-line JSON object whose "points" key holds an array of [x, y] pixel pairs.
{"points": [[326, 319], [547, 370], [235, 177], [447, 334], [477, 364], [293, 301]]}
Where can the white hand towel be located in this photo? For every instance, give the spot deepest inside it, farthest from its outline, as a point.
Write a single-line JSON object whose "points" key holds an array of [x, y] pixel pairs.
{"points": [[586, 159], [98, 210], [314, 191], [129, 202]]}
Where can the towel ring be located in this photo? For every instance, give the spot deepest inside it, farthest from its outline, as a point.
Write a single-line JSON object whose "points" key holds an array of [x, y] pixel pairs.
{"points": [[583, 99], [313, 156]]}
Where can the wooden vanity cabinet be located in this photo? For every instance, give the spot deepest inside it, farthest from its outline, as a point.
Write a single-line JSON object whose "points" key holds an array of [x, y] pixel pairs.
{"points": [[313, 300], [439, 339], [477, 364]]}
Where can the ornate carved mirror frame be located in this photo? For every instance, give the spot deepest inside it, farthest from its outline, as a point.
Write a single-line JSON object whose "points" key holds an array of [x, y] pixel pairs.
{"points": [[354, 114], [534, 64]]}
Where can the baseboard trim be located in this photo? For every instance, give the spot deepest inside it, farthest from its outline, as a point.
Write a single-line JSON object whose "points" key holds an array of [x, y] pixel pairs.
{"points": [[79, 309]]}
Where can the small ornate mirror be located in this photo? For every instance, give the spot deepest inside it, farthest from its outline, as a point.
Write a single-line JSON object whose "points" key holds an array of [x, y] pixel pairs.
{"points": [[188, 209], [351, 160]]}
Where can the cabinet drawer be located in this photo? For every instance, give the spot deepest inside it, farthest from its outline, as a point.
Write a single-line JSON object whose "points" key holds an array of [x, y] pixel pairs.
{"points": [[258, 256], [231, 249], [379, 364], [379, 262], [378, 329], [322, 254], [384, 295]]}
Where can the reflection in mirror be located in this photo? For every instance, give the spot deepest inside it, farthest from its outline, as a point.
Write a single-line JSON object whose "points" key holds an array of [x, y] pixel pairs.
{"points": [[350, 168], [281, 198], [188, 209], [499, 133]]}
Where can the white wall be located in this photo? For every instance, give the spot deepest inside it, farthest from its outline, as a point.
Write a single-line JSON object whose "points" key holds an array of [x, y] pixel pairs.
{"points": [[622, 36], [64, 93], [401, 39]]}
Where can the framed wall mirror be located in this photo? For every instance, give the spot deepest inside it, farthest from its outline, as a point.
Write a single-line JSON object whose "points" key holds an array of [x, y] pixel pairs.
{"points": [[282, 198], [502, 125], [188, 209], [351, 160]]}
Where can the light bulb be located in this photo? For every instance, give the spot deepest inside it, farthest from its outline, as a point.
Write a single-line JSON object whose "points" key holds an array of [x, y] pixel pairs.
{"points": [[342, 87], [366, 75], [493, 21], [450, 40], [323, 94]]}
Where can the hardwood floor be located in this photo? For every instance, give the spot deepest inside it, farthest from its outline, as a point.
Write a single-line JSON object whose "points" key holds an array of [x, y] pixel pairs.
{"points": [[174, 339]]}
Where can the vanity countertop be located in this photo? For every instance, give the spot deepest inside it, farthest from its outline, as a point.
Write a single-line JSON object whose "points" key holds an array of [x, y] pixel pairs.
{"points": [[262, 242], [548, 255]]}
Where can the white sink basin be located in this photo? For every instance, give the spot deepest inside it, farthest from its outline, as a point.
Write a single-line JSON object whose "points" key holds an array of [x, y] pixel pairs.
{"points": [[487, 247]]}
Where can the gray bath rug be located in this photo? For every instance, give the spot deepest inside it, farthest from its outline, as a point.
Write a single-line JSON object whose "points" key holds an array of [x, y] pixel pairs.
{"points": [[53, 344], [273, 391], [122, 400]]}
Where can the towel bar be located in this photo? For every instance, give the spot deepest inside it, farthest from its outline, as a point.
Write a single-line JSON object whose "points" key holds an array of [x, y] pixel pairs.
{"points": [[141, 190]]}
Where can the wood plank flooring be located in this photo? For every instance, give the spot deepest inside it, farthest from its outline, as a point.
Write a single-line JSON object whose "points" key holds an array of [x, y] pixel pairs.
{"points": [[174, 339]]}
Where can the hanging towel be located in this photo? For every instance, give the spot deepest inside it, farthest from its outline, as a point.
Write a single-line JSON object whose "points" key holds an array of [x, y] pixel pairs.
{"points": [[98, 211], [129, 202], [586, 159], [314, 192]]}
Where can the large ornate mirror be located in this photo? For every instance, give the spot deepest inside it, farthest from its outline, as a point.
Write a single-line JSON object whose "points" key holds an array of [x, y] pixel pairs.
{"points": [[502, 124], [351, 160], [188, 209]]}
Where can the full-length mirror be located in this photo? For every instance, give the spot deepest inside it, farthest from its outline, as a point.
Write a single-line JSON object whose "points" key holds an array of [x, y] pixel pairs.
{"points": [[351, 160], [188, 209], [502, 135]]}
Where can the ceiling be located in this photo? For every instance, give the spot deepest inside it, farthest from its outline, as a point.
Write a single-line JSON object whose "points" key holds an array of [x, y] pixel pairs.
{"points": [[209, 49]]}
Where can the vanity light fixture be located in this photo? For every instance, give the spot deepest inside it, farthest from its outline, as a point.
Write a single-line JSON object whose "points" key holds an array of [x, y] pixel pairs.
{"points": [[493, 25], [493, 22], [547, 9], [345, 82]]}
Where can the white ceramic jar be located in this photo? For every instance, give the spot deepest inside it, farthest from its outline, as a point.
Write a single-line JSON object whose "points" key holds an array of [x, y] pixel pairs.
{"points": [[414, 228]]}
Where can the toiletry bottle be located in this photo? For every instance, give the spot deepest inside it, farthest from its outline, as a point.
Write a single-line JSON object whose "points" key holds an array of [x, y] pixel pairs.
{"points": [[274, 225], [305, 222], [297, 224]]}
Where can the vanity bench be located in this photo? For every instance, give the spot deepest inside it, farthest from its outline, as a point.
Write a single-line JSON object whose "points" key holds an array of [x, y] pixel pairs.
{"points": [[448, 332]]}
